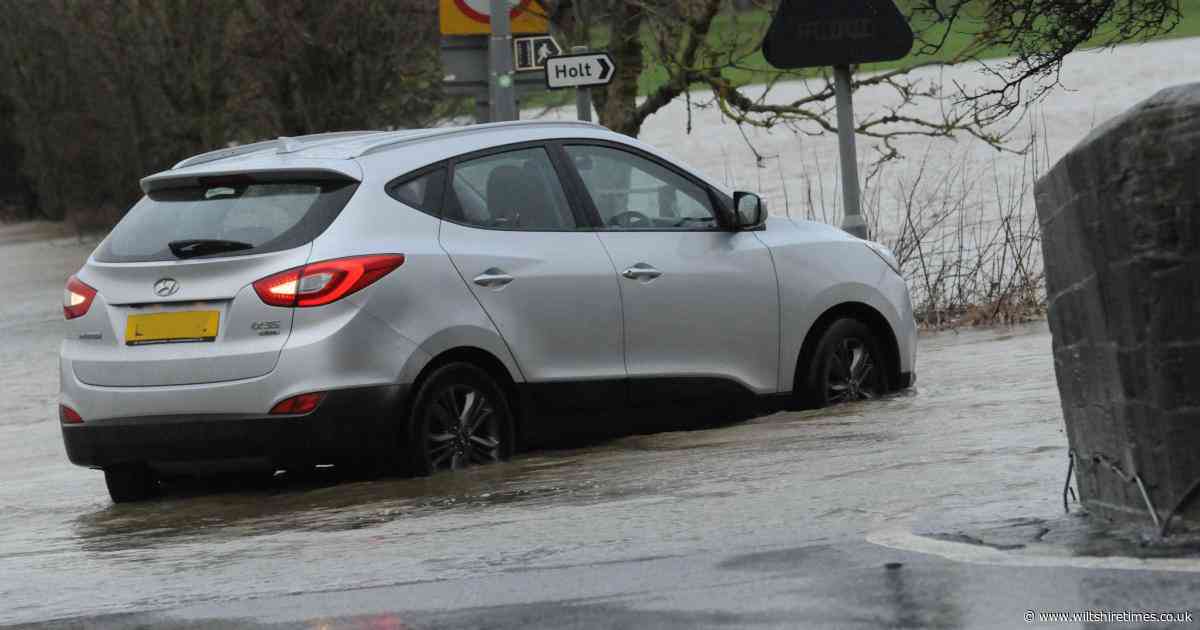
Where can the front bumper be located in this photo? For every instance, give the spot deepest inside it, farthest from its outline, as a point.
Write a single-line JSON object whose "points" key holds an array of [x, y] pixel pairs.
{"points": [[348, 423]]}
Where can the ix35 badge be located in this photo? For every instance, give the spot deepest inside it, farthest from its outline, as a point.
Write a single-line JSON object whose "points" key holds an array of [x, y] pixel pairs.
{"points": [[266, 328]]}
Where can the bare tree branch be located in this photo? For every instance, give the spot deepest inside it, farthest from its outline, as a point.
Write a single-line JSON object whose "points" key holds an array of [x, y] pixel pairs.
{"points": [[1037, 34]]}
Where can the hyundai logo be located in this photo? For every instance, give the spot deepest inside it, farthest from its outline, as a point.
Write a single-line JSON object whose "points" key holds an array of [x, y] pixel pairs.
{"points": [[166, 287]]}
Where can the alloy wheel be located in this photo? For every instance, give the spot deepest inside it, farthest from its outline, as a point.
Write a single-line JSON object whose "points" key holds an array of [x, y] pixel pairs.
{"points": [[851, 373], [464, 429]]}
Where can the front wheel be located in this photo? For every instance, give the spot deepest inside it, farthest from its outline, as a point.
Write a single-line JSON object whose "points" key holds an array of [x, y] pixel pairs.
{"points": [[847, 365], [460, 417]]}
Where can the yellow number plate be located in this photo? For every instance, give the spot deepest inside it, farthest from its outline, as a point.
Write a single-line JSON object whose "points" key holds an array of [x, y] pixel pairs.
{"points": [[171, 327]]}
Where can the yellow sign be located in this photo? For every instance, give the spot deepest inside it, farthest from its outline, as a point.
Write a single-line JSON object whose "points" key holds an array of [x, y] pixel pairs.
{"points": [[472, 17]]}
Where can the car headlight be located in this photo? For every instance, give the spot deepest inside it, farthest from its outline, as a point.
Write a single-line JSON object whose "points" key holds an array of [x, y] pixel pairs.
{"points": [[885, 255]]}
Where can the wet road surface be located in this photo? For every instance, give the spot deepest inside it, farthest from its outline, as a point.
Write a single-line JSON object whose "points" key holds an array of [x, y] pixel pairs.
{"points": [[763, 522]]}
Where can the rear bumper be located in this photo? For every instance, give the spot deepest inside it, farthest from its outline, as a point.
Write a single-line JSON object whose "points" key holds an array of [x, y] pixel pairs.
{"points": [[349, 422]]}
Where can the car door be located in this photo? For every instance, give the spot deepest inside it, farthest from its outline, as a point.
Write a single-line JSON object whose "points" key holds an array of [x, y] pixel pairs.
{"points": [[700, 302], [539, 272]]}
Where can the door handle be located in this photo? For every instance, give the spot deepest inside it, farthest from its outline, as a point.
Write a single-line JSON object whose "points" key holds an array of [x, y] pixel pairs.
{"points": [[641, 271], [492, 278]]}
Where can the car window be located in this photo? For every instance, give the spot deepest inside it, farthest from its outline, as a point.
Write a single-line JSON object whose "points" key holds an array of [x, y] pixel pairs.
{"points": [[632, 192], [516, 190], [263, 216], [423, 192]]}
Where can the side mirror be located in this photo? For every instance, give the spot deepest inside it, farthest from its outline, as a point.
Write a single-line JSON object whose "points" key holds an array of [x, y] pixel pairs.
{"points": [[749, 211]]}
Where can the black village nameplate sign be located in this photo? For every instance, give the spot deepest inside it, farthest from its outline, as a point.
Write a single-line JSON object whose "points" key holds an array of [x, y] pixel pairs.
{"points": [[811, 33]]}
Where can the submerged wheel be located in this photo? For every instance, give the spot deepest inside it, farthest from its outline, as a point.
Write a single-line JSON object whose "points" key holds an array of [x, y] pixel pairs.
{"points": [[460, 417], [129, 483], [847, 365]]}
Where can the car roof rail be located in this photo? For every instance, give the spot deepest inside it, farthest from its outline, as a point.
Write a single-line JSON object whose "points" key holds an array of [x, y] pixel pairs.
{"points": [[413, 136], [283, 144]]}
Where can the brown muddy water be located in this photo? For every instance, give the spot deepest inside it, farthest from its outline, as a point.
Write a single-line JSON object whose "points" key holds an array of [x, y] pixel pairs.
{"points": [[978, 439]]}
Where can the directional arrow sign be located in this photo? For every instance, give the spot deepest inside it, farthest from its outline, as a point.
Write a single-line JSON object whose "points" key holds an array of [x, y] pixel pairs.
{"points": [[579, 70]]}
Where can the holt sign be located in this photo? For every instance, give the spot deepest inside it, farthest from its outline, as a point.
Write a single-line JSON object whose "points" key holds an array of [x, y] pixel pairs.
{"points": [[578, 70]]}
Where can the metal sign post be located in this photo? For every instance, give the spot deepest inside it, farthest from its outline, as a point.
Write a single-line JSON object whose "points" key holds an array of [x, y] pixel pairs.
{"points": [[500, 64], [852, 220], [583, 94], [814, 33], [580, 70]]}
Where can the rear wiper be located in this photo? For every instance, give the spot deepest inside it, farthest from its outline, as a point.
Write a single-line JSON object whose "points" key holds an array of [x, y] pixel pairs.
{"points": [[204, 246]]}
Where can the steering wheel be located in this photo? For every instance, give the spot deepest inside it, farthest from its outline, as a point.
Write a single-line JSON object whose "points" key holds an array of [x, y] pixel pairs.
{"points": [[630, 218]]}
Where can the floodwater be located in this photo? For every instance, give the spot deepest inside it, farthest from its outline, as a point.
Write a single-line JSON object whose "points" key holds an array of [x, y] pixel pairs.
{"points": [[978, 439], [799, 172]]}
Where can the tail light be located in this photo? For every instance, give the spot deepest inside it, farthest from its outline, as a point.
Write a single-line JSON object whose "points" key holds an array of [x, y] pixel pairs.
{"points": [[67, 415], [303, 403], [77, 298], [327, 281]]}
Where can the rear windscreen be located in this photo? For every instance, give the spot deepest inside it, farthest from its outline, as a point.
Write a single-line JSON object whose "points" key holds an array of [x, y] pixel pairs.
{"points": [[256, 217]]}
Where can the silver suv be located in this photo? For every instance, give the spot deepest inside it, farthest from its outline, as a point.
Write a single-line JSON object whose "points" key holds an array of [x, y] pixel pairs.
{"points": [[431, 299]]}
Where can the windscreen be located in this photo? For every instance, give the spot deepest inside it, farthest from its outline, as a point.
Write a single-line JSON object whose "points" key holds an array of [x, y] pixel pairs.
{"points": [[225, 219]]}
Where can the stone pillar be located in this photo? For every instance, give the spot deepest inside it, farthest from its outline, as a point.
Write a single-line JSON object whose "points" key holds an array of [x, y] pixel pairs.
{"points": [[1120, 218]]}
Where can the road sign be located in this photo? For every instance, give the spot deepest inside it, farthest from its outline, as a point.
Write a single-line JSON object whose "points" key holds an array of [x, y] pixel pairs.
{"points": [[813, 33], [465, 68], [473, 17], [531, 53], [579, 70]]}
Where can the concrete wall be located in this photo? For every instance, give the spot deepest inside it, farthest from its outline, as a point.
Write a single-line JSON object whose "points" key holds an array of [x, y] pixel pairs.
{"points": [[1120, 215]]}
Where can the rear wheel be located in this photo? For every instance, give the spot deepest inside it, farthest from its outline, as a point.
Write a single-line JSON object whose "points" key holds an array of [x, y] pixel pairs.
{"points": [[460, 417], [847, 365], [130, 483]]}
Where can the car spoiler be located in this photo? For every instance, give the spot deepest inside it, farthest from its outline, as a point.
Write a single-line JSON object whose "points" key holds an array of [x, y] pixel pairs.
{"points": [[174, 179]]}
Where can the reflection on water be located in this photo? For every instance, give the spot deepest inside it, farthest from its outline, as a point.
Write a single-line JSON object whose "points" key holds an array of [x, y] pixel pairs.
{"points": [[864, 593], [204, 508], [912, 602], [224, 508]]}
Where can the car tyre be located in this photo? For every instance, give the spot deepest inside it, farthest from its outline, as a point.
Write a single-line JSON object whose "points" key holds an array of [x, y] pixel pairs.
{"points": [[130, 483], [460, 418], [848, 364]]}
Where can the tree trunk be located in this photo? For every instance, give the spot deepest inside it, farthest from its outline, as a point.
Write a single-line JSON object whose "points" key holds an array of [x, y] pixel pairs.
{"points": [[625, 45]]}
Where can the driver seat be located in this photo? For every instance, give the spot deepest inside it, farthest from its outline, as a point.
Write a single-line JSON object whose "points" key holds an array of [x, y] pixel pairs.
{"points": [[515, 199]]}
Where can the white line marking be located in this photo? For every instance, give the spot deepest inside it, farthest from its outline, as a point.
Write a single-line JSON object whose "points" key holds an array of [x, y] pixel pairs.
{"points": [[1040, 556]]}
